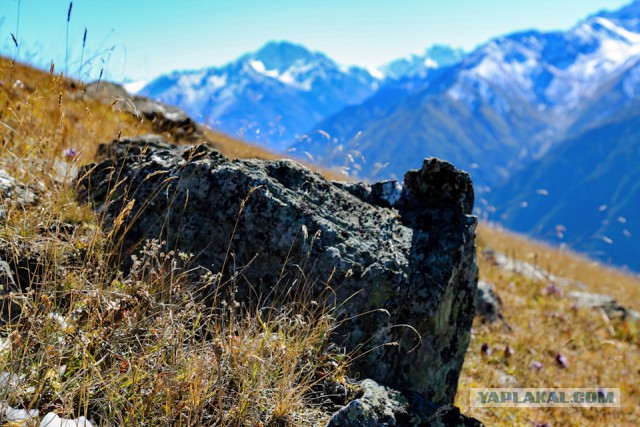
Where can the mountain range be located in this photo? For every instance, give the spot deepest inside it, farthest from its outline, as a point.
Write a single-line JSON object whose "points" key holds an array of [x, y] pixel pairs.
{"points": [[270, 96], [513, 112], [276, 94], [500, 107]]}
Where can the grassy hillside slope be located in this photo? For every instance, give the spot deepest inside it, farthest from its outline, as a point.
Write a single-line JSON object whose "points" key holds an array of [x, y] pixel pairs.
{"points": [[545, 322]]}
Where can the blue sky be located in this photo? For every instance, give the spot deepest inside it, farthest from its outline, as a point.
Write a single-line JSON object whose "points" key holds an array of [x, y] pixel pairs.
{"points": [[139, 39]]}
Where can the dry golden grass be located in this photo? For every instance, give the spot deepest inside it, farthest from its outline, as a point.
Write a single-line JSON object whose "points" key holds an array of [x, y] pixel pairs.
{"points": [[600, 352], [235, 149]]}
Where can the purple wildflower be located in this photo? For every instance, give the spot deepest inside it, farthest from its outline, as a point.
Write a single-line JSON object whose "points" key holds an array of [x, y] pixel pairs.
{"points": [[70, 153], [552, 289], [562, 361]]}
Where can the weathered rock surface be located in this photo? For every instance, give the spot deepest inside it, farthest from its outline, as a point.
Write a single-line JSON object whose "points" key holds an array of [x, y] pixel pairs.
{"points": [[400, 261], [612, 308], [22, 266], [488, 303], [8, 308], [164, 118], [377, 406], [381, 406], [14, 192], [12, 267], [528, 270]]}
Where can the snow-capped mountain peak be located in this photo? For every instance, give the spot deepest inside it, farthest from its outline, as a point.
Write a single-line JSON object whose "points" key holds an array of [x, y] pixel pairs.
{"points": [[280, 56], [300, 68], [418, 65], [555, 70], [269, 96], [627, 17]]}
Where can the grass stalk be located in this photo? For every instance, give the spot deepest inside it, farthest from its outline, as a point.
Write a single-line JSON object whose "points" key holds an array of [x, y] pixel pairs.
{"points": [[84, 42], [17, 36], [66, 58]]}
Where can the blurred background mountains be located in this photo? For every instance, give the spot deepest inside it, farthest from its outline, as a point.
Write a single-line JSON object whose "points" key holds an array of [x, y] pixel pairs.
{"points": [[546, 122]]}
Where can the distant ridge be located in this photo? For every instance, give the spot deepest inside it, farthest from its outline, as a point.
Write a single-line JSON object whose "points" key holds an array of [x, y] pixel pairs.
{"points": [[270, 96], [584, 193], [499, 108]]}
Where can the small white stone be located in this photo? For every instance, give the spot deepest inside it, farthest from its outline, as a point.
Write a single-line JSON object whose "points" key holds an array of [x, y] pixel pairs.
{"points": [[14, 414], [53, 420]]}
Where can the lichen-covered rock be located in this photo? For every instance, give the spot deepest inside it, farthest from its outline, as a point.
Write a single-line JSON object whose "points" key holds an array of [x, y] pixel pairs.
{"points": [[488, 303], [399, 260], [378, 405], [14, 192]]}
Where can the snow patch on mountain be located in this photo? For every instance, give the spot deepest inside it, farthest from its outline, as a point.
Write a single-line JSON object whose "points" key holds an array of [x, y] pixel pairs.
{"points": [[554, 71], [628, 17], [216, 82], [136, 86], [622, 33], [375, 73], [611, 48], [434, 57], [258, 66]]}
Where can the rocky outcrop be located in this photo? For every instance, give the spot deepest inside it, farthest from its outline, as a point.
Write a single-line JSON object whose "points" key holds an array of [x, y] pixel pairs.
{"points": [[526, 270], [488, 303], [15, 193], [16, 267], [377, 405], [163, 118], [398, 261], [609, 305], [23, 266], [382, 406]]}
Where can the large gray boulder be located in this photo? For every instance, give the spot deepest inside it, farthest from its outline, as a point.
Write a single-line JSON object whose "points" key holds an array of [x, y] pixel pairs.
{"points": [[399, 260]]}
